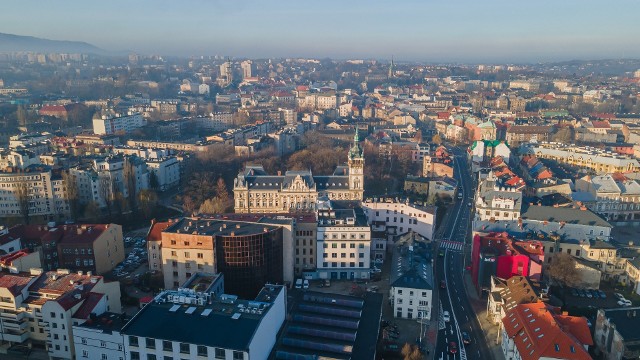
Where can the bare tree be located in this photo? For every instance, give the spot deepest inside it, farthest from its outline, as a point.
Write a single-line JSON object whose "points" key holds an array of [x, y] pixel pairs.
{"points": [[24, 201], [130, 181], [148, 199], [106, 190], [562, 270], [71, 193]]}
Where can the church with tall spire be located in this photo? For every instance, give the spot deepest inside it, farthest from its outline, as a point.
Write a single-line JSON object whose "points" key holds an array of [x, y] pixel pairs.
{"points": [[255, 191], [392, 69]]}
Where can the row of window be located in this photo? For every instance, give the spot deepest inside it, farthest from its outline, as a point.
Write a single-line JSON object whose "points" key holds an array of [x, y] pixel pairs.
{"points": [[342, 255], [187, 254], [342, 245], [343, 264], [344, 236], [184, 348]]}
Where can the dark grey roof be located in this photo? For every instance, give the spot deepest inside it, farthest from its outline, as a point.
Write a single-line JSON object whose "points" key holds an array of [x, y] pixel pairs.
{"points": [[562, 214], [217, 227], [217, 329], [596, 244], [411, 279], [627, 321], [331, 182]]}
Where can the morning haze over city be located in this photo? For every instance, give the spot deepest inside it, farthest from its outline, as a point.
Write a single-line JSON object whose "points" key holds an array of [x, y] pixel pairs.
{"points": [[277, 180]]}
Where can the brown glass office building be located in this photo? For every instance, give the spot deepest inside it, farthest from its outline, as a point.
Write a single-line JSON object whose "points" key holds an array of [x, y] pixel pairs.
{"points": [[250, 258]]}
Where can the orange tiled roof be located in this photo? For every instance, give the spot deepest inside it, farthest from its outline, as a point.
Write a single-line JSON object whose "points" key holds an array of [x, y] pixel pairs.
{"points": [[537, 333]]}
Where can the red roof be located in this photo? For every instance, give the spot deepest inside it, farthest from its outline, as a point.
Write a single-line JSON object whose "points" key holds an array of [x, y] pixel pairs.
{"points": [[88, 305], [156, 229], [600, 124], [538, 332], [14, 282], [8, 259]]}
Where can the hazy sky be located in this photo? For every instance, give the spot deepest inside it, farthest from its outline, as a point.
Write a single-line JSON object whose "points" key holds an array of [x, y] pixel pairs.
{"points": [[424, 30]]}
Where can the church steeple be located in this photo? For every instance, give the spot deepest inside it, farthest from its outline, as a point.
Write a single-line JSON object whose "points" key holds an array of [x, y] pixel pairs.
{"points": [[355, 151], [392, 70]]}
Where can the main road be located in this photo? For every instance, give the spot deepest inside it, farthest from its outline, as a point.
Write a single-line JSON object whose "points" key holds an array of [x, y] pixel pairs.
{"points": [[450, 267]]}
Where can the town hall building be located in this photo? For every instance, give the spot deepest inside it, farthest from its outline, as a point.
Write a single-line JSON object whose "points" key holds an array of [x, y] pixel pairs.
{"points": [[255, 191]]}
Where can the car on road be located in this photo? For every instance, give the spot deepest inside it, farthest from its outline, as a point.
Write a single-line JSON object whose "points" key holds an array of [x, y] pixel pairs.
{"points": [[441, 253], [445, 316], [443, 284], [453, 347], [466, 339]]}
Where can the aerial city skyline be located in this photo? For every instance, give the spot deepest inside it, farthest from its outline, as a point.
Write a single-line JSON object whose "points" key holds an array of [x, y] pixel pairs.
{"points": [[302, 180], [463, 31]]}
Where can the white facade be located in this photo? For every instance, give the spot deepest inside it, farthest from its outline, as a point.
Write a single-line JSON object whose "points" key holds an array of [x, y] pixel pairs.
{"points": [[402, 216], [343, 250], [411, 303], [166, 170], [46, 195], [108, 125], [96, 344]]}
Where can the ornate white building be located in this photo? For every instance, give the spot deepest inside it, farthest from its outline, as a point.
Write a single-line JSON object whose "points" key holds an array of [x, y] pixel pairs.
{"points": [[257, 192]]}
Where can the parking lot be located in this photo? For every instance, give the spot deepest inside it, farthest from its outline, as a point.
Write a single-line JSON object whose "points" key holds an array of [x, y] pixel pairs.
{"points": [[136, 256], [584, 298]]}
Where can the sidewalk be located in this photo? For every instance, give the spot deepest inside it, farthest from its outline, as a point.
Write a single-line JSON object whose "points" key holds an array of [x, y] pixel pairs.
{"points": [[480, 309]]}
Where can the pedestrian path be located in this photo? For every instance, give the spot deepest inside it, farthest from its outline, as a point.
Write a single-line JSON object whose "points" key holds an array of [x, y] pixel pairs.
{"points": [[451, 245]]}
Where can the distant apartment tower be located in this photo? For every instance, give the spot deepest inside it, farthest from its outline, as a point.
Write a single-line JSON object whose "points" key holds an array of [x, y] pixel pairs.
{"points": [[118, 124], [246, 69]]}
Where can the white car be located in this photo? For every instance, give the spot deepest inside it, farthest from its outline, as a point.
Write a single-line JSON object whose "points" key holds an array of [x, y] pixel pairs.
{"points": [[625, 302], [445, 316], [618, 296], [298, 283], [305, 284]]}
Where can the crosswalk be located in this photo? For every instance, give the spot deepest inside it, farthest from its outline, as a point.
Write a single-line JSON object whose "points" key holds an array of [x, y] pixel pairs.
{"points": [[451, 245]]}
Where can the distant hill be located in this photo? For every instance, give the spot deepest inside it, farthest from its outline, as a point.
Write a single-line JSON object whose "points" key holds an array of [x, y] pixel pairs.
{"points": [[11, 43]]}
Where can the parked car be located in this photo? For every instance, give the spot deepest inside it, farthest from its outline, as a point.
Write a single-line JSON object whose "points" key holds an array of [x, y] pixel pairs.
{"points": [[305, 284], [625, 302], [574, 292], [327, 282], [298, 283], [588, 293], [466, 339], [445, 316], [618, 296], [602, 294], [453, 347]]}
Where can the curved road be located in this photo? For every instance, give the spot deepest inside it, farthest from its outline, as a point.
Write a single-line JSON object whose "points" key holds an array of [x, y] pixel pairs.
{"points": [[450, 268]]}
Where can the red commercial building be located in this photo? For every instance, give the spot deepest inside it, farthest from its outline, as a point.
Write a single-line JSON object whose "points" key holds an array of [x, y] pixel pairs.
{"points": [[498, 254]]}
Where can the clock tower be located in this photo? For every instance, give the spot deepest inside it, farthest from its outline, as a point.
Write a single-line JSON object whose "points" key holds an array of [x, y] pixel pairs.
{"points": [[356, 168]]}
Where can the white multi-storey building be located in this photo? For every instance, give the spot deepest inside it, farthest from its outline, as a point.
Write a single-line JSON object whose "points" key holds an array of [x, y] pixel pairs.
{"points": [[412, 282], [615, 199], [99, 337], [34, 189], [166, 171], [118, 124], [186, 324], [41, 307], [343, 243], [497, 201], [400, 217]]}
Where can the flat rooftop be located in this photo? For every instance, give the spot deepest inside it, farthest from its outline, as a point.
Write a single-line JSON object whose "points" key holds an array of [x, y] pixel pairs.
{"points": [[216, 227], [216, 321]]}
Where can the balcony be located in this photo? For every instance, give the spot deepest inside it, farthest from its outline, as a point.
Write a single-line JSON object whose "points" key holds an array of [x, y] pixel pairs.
{"points": [[15, 337], [12, 316], [15, 326]]}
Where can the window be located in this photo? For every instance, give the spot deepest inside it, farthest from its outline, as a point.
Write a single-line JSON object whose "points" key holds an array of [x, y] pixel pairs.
{"points": [[200, 255], [104, 343], [84, 341], [238, 355], [184, 348], [85, 353], [167, 345], [135, 355], [133, 340], [360, 264], [399, 292], [202, 350], [150, 343], [151, 357], [220, 354]]}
